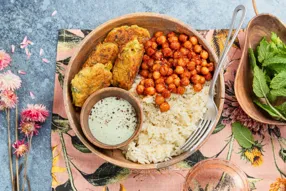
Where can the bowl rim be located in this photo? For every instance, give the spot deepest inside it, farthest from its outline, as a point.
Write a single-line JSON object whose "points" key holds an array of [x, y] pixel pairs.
{"points": [[118, 92], [134, 165]]}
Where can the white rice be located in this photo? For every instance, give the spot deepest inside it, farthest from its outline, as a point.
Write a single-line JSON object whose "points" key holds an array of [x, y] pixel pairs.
{"points": [[163, 134]]}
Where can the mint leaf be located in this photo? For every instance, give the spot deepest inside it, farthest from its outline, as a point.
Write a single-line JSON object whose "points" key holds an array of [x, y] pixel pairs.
{"points": [[276, 39], [277, 67], [271, 97], [278, 59], [252, 58], [279, 81], [267, 108], [264, 50], [242, 135], [282, 108], [279, 92], [260, 87]]}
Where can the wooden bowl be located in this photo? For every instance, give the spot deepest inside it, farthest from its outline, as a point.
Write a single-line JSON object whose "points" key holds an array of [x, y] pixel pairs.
{"points": [[153, 22], [99, 95], [260, 26]]}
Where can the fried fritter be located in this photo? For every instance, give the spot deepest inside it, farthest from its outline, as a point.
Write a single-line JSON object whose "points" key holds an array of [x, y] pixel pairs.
{"points": [[127, 64], [89, 80], [104, 53], [122, 35]]}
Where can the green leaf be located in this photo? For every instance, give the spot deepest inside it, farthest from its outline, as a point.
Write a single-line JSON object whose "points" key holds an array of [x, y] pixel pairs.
{"points": [[279, 92], [78, 145], [191, 160], [276, 39], [279, 81], [242, 135], [252, 58], [267, 108], [282, 108], [218, 128], [60, 124], [64, 187], [271, 97], [278, 59], [264, 50], [260, 87]]}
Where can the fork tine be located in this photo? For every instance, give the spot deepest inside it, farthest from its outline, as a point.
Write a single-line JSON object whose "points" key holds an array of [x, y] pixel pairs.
{"points": [[194, 139]]}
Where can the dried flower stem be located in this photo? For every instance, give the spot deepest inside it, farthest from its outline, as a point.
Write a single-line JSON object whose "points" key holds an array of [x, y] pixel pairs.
{"points": [[10, 148], [26, 162], [281, 172], [67, 161], [17, 160]]}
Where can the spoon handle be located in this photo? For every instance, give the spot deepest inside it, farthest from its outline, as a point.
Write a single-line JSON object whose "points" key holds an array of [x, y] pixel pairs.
{"points": [[228, 45]]}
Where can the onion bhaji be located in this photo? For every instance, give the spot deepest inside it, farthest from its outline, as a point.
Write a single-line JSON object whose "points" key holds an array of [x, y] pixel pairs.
{"points": [[127, 64], [89, 80]]}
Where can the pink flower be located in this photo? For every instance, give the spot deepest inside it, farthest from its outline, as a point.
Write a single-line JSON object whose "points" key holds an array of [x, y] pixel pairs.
{"points": [[21, 148], [5, 59], [9, 81], [29, 128], [8, 99], [35, 113]]}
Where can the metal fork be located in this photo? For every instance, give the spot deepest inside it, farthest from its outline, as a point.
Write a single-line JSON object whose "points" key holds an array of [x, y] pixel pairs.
{"points": [[205, 124]]}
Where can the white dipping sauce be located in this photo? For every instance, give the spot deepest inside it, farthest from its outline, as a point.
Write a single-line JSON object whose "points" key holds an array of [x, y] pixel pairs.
{"points": [[112, 120]]}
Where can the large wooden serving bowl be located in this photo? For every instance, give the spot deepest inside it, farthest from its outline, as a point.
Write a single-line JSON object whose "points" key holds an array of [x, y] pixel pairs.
{"points": [[153, 22], [260, 26]]}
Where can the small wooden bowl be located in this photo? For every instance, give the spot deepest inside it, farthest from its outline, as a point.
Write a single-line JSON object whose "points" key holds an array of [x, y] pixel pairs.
{"points": [[99, 95], [260, 26]]}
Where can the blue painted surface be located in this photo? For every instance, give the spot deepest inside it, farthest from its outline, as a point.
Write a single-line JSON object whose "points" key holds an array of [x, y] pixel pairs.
{"points": [[33, 18]]}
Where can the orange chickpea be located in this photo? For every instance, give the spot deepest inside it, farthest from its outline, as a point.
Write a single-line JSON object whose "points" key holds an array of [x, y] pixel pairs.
{"points": [[166, 93], [154, 45], [211, 68], [150, 62], [149, 83], [198, 61], [179, 70], [140, 89], [177, 82], [160, 88], [181, 62], [158, 55], [185, 81], [172, 88], [188, 45], [173, 39], [169, 80], [198, 87], [198, 48], [204, 54], [144, 66], [156, 75], [170, 34], [204, 70], [202, 80], [147, 44], [198, 68], [191, 65], [171, 60], [175, 62], [175, 45], [144, 73], [193, 72], [150, 91], [146, 58], [183, 37], [191, 54], [167, 52], [181, 90], [160, 81], [175, 76], [170, 72], [164, 70], [208, 76], [161, 39], [195, 79], [158, 33], [164, 107], [156, 67], [177, 55], [159, 99], [142, 82], [204, 62], [165, 45], [150, 75], [184, 51], [150, 51], [194, 40], [153, 39], [186, 74]]}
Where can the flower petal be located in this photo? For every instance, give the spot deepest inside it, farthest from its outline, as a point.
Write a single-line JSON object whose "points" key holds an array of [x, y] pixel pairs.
{"points": [[32, 95], [21, 72], [54, 13], [12, 48], [45, 60], [41, 52]]}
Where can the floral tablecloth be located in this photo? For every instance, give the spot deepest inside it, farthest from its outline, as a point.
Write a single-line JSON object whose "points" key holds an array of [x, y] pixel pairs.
{"points": [[76, 168]]}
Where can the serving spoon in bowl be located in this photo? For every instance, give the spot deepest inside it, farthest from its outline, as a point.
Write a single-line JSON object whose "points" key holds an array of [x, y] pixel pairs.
{"points": [[206, 123]]}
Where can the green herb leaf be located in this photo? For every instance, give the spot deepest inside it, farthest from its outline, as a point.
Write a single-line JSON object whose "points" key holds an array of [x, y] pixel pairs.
{"points": [[278, 59], [260, 86], [252, 58], [267, 108], [277, 67], [242, 135], [282, 108], [279, 81], [271, 97], [264, 50], [279, 92]]}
